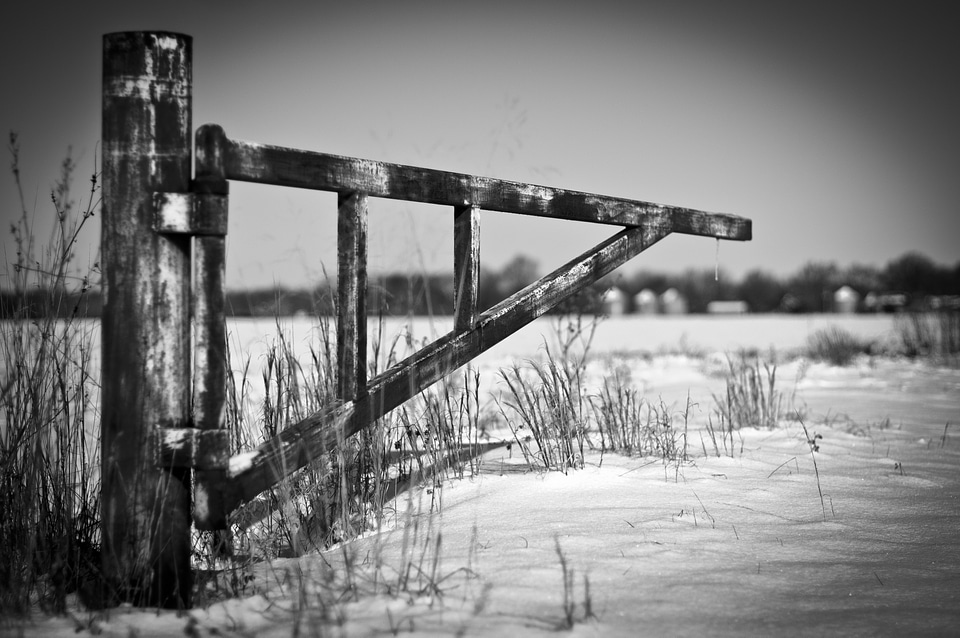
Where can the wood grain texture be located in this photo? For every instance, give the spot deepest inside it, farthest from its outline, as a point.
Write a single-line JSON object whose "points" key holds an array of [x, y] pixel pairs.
{"points": [[210, 377], [190, 214], [351, 296], [466, 266], [193, 448], [210, 190], [247, 161], [210, 338], [145, 326]]}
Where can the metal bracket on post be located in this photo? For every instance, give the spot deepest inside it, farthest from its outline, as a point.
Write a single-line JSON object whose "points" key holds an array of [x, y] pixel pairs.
{"points": [[193, 448], [195, 213]]}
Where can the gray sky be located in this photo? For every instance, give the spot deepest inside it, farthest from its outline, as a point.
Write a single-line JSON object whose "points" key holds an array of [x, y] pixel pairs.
{"points": [[833, 128]]}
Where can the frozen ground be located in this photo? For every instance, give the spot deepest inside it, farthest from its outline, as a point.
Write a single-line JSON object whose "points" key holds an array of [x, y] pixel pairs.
{"points": [[738, 546]]}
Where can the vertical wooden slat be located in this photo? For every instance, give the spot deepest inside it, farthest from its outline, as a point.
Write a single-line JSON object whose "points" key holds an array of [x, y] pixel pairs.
{"points": [[210, 371], [145, 327], [210, 337], [351, 296], [466, 266], [210, 356]]}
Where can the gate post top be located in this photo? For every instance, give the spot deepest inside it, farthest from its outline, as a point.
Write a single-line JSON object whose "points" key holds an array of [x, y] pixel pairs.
{"points": [[149, 67], [165, 39], [147, 95], [123, 53]]}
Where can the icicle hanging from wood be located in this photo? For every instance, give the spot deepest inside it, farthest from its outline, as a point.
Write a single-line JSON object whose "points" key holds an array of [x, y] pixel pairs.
{"points": [[716, 263]]}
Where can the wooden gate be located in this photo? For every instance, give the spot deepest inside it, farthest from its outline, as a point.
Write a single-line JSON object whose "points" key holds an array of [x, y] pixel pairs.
{"points": [[165, 452]]}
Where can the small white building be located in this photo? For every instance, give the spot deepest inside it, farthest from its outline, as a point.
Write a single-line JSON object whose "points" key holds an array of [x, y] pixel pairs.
{"points": [[645, 302], [845, 300], [727, 308], [673, 303], [614, 301]]}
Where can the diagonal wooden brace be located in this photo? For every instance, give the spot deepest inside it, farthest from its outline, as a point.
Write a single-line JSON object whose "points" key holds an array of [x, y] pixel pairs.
{"points": [[251, 473]]}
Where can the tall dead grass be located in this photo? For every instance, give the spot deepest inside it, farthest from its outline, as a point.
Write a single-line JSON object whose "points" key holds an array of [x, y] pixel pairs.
{"points": [[49, 443], [931, 335]]}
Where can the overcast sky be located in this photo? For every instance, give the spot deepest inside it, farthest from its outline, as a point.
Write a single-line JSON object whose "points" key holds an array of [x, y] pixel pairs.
{"points": [[835, 129]]}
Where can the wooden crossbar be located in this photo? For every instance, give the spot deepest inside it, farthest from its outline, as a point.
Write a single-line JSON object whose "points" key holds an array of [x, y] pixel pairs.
{"points": [[276, 165]]}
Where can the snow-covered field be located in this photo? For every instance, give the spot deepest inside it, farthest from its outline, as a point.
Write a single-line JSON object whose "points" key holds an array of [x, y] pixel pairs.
{"points": [[739, 545]]}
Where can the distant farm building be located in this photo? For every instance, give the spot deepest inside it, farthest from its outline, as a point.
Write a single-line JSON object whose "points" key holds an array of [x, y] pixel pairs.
{"points": [[727, 308], [673, 303], [614, 301], [845, 300], [645, 302], [885, 302], [943, 302]]}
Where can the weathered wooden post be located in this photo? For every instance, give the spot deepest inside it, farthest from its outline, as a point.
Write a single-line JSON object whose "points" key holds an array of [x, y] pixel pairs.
{"points": [[351, 294], [210, 189], [466, 266], [146, 330]]}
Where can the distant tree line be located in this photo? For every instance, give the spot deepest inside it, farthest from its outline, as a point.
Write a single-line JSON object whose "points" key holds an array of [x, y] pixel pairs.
{"points": [[913, 278]]}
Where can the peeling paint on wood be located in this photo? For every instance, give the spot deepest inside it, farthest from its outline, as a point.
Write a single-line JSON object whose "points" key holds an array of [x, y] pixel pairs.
{"points": [[173, 212], [351, 295], [145, 325], [210, 338], [193, 448], [247, 161], [240, 463], [190, 214], [466, 266], [210, 350]]}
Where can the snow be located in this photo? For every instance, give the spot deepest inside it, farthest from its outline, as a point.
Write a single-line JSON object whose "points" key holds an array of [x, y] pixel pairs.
{"points": [[242, 462], [720, 546]]}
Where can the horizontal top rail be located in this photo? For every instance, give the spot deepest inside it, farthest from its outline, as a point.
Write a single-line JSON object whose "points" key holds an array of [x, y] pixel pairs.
{"points": [[280, 166]]}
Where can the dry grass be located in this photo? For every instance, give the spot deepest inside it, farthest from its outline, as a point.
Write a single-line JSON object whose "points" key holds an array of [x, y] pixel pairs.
{"points": [[836, 346], [49, 444], [49, 438], [933, 335], [554, 420], [752, 399]]}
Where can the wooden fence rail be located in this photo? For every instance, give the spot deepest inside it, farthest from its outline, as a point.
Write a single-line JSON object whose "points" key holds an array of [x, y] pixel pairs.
{"points": [[260, 163], [159, 225]]}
